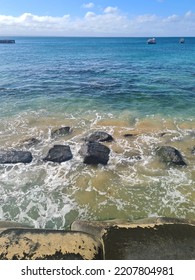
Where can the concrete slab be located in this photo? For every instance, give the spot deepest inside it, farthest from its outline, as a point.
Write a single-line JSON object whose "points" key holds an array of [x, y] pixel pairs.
{"points": [[147, 239], [37, 244]]}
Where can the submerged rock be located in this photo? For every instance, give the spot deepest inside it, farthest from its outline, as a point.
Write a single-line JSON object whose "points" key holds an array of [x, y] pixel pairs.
{"points": [[162, 134], [99, 136], [132, 155], [15, 157], [31, 142], [170, 155], [94, 153], [128, 135], [61, 131], [59, 153]]}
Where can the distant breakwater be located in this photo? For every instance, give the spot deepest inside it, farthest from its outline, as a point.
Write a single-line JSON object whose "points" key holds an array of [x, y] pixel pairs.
{"points": [[7, 41]]}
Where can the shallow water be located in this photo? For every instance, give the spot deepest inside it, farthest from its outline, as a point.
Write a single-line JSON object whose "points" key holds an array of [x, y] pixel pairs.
{"points": [[121, 86]]}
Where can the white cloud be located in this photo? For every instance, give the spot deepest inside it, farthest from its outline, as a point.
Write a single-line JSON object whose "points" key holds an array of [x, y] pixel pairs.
{"points": [[90, 15], [111, 22], [111, 10], [146, 18], [88, 5], [190, 15], [172, 18], [27, 24]]}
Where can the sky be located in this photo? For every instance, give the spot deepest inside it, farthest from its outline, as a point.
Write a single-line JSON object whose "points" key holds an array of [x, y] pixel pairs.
{"points": [[131, 18]]}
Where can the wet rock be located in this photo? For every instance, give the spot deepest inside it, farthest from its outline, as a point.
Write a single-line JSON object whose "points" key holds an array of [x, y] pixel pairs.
{"points": [[59, 153], [162, 134], [31, 142], [133, 155], [128, 135], [94, 153], [99, 136], [62, 131], [37, 244], [14, 156], [170, 155]]}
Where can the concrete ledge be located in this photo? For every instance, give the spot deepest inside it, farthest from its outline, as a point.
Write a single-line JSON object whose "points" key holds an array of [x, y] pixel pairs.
{"points": [[35, 244], [9, 224], [147, 239]]}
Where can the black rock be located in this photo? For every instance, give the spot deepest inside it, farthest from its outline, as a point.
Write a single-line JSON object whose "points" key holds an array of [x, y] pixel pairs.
{"points": [[193, 150], [99, 136], [128, 135], [60, 131], [59, 153], [15, 157], [170, 155], [162, 134], [94, 153]]}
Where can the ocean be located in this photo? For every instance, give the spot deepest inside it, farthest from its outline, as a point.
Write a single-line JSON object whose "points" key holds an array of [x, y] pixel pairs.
{"points": [[117, 85]]}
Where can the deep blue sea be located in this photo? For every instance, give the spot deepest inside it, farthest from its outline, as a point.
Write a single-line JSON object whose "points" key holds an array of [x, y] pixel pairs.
{"points": [[117, 85]]}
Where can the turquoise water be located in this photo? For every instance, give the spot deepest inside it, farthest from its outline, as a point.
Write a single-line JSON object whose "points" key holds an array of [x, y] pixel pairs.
{"points": [[111, 73], [119, 85]]}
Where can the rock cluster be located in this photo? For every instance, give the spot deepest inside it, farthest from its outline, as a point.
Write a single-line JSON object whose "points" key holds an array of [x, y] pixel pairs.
{"points": [[92, 151]]}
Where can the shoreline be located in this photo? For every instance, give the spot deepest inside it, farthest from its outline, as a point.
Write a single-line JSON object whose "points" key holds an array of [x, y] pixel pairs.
{"points": [[73, 187]]}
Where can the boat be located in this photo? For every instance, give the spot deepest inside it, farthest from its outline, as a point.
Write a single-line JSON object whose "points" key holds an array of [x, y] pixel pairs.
{"points": [[182, 41], [7, 41], [151, 41]]}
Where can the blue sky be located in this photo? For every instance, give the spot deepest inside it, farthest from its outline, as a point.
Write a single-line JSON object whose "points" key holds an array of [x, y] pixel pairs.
{"points": [[98, 17]]}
